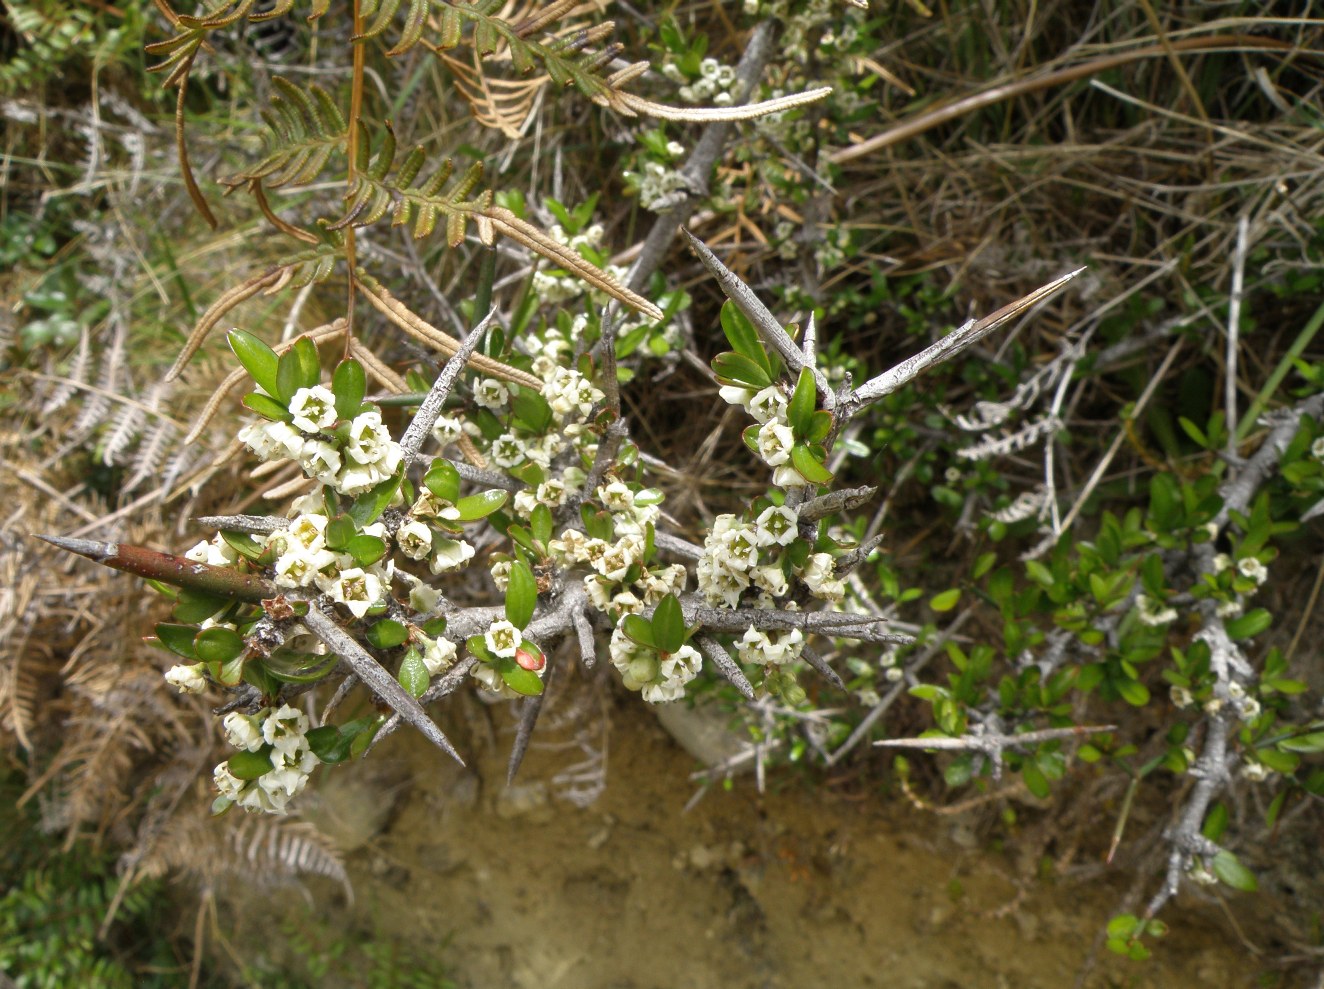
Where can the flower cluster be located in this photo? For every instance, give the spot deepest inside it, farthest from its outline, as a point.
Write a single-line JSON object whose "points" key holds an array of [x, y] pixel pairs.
{"points": [[740, 554], [659, 677], [711, 87], [775, 438], [622, 582], [281, 737], [350, 456]]}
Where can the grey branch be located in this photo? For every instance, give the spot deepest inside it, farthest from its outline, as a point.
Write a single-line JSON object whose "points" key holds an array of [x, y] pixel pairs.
{"points": [[254, 525], [378, 680], [947, 348], [486, 478], [528, 719], [767, 325], [426, 416], [836, 501], [993, 744], [699, 166], [719, 657]]}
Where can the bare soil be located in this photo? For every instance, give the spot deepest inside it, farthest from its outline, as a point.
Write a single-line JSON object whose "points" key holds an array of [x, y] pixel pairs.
{"points": [[805, 886]]}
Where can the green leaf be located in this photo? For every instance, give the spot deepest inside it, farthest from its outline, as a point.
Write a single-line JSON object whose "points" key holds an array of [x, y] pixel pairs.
{"points": [[809, 465], [310, 673], [737, 369], [1278, 761], [668, 626], [521, 594], [387, 634], [1133, 692], [349, 383], [218, 645], [366, 549], [192, 607], [983, 563], [1248, 625], [518, 679], [800, 411], [1035, 781], [229, 674], [532, 410], [309, 364], [477, 647], [268, 408], [259, 360], [638, 629], [1313, 742], [369, 505], [243, 544], [946, 600], [328, 744], [1228, 868], [178, 639], [481, 505], [251, 765], [413, 675], [288, 375], [820, 424], [744, 339], [540, 523], [339, 531], [1215, 822], [443, 480]]}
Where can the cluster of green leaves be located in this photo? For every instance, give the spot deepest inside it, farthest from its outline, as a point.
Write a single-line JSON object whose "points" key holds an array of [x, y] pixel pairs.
{"points": [[519, 673], [749, 365]]}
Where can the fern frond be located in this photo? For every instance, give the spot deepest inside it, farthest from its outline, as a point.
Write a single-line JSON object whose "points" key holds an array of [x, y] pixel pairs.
{"points": [[386, 183], [303, 130], [500, 104]]}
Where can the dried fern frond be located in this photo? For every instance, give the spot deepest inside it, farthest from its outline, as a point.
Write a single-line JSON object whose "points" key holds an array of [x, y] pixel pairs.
{"points": [[385, 183], [500, 104], [304, 128], [424, 332]]}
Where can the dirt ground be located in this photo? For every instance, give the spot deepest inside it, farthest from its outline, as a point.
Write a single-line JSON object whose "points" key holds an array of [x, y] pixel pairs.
{"points": [[520, 888]]}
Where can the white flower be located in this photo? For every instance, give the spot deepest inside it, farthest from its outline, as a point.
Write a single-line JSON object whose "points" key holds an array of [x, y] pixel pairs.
{"points": [[1228, 609], [370, 443], [775, 647], [320, 460], [893, 674], [216, 552], [507, 450], [272, 440], [500, 571], [422, 597], [1181, 697], [230, 785], [284, 728], [787, 476], [1253, 568], [491, 680], [314, 409], [1256, 771], [414, 540], [308, 530], [735, 395], [299, 567], [616, 496], [502, 639], [242, 731], [1221, 562], [357, 590], [552, 493], [447, 430], [817, 576], [1317, 449], [599, 592], [767, 405], [491, 394], [660, 677], [776, 526], [357, 478], [448, 554], [186, 679], [775, 442], [438, 654], [770, 578], [1151, 614], [720, 586]]}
